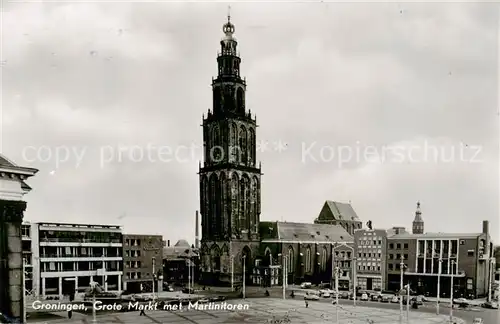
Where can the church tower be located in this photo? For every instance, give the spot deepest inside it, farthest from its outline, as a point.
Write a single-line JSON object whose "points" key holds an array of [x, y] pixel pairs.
{"points": [[229, 176], [418, 222]]}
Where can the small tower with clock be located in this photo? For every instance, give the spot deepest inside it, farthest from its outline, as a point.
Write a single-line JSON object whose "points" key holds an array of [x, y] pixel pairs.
{"points": [[229, 176]]}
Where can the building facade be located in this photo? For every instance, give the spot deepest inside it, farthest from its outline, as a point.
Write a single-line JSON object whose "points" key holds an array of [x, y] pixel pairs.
{"points": [[73, 255], [370, 247], [429, 256], [180, 262], [400, 246], [308, 251], [142, 262], [12, 206], [30, 281]]}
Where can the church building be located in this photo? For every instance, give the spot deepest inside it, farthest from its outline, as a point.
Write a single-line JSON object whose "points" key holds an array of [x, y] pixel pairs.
{"points": [[234, 240]]}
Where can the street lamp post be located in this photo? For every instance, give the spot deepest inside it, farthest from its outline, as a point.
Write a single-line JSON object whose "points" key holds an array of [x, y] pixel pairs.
{"points": [[93, 286], [154, 273], [244, 270], [490, 277], [337, 293], [284, 270], [24, 290], [232, 272], [453, 263], [401, 268], [438, 285], [408, 303]]}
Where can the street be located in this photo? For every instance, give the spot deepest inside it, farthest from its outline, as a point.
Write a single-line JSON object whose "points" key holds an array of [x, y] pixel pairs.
{"points": [[488, 315]]}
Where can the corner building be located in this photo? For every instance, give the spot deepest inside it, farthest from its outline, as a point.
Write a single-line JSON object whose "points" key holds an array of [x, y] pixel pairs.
{"points": [[229, 178]]}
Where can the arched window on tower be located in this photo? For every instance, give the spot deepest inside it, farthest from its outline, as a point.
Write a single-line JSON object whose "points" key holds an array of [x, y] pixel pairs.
{"points": [[324, 260], [216, 149], [308, 260], [290, 263], [235, 202], [252, 149], [217, 95], [213, 204], [233, 142], [240, 100], [243, 145]]}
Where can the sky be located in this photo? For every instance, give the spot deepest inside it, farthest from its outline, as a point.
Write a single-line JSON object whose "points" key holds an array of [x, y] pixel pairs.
{"points": [[377, 104]]}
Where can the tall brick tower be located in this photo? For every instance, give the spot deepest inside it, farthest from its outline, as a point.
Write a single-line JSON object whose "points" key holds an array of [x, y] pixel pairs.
{"points": [[229, 177]]}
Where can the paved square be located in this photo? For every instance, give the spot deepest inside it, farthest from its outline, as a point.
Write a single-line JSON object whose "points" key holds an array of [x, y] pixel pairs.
{"points": [[265, 310]]}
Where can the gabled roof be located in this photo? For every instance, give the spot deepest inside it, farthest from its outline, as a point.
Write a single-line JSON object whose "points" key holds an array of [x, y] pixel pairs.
{"points": [[5, 163], [333, 210], [178, 252], [303, 232]]}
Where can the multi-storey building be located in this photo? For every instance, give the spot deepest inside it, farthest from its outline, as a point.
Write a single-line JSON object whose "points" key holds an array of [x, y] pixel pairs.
{"points": [[142, 262], [429, 256], [400, 246], [67, 257], [180, 262], [370, 247], [30, 281]]}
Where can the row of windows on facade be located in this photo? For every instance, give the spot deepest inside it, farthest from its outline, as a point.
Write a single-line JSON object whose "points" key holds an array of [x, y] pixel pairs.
{"points": [[80, 266], [133, 253], [370, 255], [369, 268], [134, 275], [364, 241], [85, 237], [133, 264], [132, 242], [438, 246], [398, 256], [398, 246], [56, 252]]}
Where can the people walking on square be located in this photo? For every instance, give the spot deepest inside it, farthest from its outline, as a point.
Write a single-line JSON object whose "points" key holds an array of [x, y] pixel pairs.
{"points": [[142, 313]]}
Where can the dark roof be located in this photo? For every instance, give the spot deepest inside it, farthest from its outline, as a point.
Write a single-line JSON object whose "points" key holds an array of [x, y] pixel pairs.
{"points": [[177, 252], [333, 210], [304, 232], [6, 162], [182, 243]]}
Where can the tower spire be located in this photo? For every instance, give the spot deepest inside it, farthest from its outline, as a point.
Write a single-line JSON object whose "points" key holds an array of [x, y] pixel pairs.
{"points": [[418, 222], [229, 13]]}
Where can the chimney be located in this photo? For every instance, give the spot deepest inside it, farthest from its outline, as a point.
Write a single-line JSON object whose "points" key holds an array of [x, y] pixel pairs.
{"points": [[486, 227], [486, 231], [168, 243], [197, 231]]}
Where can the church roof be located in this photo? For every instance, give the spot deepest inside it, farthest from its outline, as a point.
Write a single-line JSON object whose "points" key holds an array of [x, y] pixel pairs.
{"points": [[182, 243], [333, 210], [303, 232]]}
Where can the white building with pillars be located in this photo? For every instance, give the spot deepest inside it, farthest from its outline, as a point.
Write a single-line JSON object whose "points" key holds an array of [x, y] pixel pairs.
{"points": [[67, 257]]}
